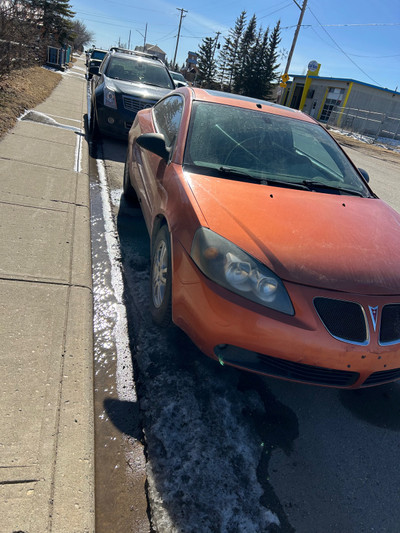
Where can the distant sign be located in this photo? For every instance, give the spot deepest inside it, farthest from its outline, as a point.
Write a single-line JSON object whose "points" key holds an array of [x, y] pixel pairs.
{"points": [[285, 78], [313, 66]]}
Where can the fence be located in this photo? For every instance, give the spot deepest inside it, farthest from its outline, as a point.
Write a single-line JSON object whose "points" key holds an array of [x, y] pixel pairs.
{"points": [[14, 55], [370, 124]]}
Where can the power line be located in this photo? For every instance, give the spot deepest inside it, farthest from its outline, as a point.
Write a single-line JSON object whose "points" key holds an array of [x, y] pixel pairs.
{"points": [[343, 25], [273, 12], [341, 49]]}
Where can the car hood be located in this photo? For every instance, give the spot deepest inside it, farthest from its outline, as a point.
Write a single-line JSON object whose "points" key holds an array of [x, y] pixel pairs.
{"points": [[330, 241], [139, 90]]}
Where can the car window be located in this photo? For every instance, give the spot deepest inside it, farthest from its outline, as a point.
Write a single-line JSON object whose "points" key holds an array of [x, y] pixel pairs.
{"points": [[267, 146], [98, 55], [167, 117], [137, 70]]}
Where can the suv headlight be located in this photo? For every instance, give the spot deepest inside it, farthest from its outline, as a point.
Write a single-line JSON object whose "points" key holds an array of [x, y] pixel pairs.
{"points": [[109, 98], [228, 265]]}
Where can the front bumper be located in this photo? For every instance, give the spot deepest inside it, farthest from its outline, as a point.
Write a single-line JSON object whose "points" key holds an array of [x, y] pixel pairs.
{"points": [[239, 333], [118, 122], [114, 122]]}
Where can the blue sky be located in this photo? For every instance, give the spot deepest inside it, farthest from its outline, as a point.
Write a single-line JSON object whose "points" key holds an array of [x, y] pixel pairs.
{"points": [[358, 39]]}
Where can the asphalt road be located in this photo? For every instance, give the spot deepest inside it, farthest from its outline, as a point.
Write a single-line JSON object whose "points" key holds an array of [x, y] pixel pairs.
{"points": [[230, 452]]}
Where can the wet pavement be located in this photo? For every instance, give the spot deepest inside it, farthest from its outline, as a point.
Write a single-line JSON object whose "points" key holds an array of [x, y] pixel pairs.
{"points": [[120, 474]]}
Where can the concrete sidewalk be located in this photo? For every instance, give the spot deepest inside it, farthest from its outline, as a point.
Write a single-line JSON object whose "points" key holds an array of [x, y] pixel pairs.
{"points": [[46, 359]]}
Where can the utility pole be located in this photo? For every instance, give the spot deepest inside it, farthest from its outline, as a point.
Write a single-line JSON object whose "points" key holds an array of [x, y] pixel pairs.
{"points": [[144, 37], [215, 44], [296, 33], [179, 31], [285, 76]]}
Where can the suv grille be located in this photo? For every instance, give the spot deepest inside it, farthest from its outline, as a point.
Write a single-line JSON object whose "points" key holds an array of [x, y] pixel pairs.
{"points": [[135, 104], [344, 320], [390, 324]]}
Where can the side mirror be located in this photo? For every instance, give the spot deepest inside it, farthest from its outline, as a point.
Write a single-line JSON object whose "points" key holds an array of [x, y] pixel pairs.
{"points": [[155, 143], [94, 70], [179, 84], [364, 174]]}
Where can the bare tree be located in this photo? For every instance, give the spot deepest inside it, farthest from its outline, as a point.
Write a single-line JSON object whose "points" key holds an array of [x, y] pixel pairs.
{"points": [[80, 35]]}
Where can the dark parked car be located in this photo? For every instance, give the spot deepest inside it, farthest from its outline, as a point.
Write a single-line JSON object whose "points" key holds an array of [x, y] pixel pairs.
{"points": [[125, 83], [95, 59]]}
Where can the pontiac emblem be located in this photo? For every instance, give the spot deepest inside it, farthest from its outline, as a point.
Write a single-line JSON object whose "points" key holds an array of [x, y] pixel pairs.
{"points": [[374, 315]]}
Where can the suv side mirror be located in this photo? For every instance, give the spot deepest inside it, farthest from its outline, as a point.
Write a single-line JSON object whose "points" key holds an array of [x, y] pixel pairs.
{"points": [[155, 143], [94, 70]]}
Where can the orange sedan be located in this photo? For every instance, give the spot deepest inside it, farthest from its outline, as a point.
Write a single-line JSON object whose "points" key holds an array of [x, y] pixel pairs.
{"points": [[268, 247]]}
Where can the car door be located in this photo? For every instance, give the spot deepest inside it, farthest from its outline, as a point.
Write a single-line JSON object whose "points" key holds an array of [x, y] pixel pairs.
{"points": [[167, 116]]}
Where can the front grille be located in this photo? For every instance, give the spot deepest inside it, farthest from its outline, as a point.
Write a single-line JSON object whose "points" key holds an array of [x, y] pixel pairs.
{"points": [[307, 373], [282, 368], [344, 320], [382, 377], [136, 104], [390, 324]]}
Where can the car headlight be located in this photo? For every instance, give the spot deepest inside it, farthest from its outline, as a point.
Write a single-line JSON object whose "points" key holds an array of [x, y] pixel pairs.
{"points": [[109, 98], [226, 264]]}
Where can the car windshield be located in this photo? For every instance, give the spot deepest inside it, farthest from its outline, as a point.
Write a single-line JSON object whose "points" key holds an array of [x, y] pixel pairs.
{"points": [[98, 55], [137, 70], [177, 76], [235, 142]]}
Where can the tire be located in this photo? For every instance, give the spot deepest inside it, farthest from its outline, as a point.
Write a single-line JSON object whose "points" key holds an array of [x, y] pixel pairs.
{"points": [[93, 126], [161, 279], [129, 192]]}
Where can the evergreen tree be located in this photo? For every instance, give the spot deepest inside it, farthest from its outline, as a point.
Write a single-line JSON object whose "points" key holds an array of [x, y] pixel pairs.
{"points": [[55, 19], [252, 76], [271, 71], [223, 64], [248, 61], [247, 42], [206, 62], [229, 58]]}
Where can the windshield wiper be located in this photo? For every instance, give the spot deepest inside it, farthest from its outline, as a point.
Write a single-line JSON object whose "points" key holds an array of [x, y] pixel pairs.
{"points": [[262, 179], [318, 185], [152, 84], [238, 173]]}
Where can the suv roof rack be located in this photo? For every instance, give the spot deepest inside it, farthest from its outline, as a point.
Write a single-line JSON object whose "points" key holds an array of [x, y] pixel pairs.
{"points": [[134, 52]]}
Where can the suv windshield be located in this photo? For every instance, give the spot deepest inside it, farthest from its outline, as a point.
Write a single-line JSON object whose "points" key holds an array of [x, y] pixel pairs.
{"points": [[268, 147], [139, 70]]}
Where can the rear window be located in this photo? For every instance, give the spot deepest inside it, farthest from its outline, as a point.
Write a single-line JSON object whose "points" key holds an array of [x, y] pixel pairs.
{"points": [[98, 55]]}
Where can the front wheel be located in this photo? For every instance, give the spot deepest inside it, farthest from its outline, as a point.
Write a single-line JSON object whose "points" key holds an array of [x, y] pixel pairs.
{"points": [[161, 279], [93, 126], [129, 191]]}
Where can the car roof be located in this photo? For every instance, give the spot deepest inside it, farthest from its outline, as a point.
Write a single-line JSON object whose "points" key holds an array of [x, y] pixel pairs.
{"points": [[135, 55], [239, 100]]}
